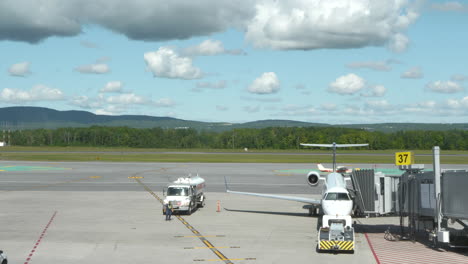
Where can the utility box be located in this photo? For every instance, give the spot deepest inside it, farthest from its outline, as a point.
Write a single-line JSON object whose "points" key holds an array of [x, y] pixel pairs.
{"points": [[443, 236]]}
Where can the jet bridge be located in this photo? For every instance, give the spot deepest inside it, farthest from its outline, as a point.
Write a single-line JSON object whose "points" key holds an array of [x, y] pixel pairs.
{"points": [[435, 202], [374, 193]]}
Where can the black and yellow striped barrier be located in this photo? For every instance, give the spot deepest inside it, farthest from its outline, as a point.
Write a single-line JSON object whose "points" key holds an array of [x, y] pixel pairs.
{"points": [[336, 245]]}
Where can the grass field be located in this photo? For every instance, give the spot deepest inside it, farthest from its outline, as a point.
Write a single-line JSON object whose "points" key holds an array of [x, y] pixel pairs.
{"points": [[221, 155]]}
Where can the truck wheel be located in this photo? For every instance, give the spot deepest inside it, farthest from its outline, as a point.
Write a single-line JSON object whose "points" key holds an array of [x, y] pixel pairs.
{"points": [[202, 202], [189, 211]]}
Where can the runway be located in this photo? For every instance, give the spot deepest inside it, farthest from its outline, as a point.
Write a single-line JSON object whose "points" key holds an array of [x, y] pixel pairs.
{"points": [[97, 212]]}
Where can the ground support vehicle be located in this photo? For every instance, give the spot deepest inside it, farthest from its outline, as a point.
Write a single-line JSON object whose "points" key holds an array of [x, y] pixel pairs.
{"points": [[3, 258], [185, 194], [336, 234]]}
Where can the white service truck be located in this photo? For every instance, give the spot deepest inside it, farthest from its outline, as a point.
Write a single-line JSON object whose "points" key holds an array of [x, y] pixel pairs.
{"points": [[185, 194]]}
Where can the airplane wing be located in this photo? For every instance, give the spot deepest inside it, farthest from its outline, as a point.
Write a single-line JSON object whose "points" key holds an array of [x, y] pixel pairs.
{"points": [[274, 196]]}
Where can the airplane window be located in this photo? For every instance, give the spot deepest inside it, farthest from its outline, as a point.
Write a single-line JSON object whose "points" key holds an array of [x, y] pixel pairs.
{"points": [[337, 197], [177, 192]]}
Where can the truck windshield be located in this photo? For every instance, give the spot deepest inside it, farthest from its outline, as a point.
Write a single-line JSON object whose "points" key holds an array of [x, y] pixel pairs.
{"points": [[177, 191], [337, 197]]}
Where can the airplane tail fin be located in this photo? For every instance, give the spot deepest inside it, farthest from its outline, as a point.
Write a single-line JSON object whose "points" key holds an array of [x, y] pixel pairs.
{"points": [[225, 184], [334, 146], [320, 167]]}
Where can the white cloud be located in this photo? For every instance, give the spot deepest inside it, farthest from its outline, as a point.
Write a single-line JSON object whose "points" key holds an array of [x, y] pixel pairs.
{"points": [[88, 44], [291, 110], [295, 24], [458, 103], [20, 69], [304, 24], [112, 87], [81, 101], [166, 63], [127, 98], [268, 83], [210, 47], [459, 77], [251, 109], [375, 91], [444, 87], [263, 100], [450, 6], [212, 85], [329, 107], [165, 102], [37, 93], [413, 73], [104, 59], [378, 104], [347, 84], [427, 104], [103, 112], [85, 102], [148, 20], [110, 110], [373, 65], [398, 43], [97, 68], [300, 86], [221, 108]]}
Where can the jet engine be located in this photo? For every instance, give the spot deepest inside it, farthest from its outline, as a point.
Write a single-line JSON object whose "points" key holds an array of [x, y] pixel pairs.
{"points": [[313, 178]]}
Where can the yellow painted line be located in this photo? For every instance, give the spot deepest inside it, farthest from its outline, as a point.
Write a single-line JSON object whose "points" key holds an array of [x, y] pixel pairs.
{"points": [[135, 177], [224, 259], [2, 170], [197, 236], [221, 256], [94, 177], [207, 247], [206, 242]]}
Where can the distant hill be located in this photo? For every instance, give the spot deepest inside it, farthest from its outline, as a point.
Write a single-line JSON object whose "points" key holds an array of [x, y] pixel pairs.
{"points": [[40, 117]]}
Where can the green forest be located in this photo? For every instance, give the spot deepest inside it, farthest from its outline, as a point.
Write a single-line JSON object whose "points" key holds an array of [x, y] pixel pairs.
{"points": [[265, 138]]}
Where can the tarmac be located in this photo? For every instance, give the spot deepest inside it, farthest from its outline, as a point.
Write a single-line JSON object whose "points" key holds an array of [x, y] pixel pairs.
{"points": [[96, 212]]}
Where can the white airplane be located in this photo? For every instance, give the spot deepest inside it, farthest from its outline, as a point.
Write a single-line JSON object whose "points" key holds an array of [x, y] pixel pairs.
{"points": [[336, 232], [340, 169]]}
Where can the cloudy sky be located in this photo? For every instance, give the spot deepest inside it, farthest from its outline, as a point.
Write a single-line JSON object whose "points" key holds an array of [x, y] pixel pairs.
{"points": [[327, 61]]}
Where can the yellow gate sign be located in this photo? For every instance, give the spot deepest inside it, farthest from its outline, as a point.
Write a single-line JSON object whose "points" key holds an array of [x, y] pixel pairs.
{"points": [[404, 158]]}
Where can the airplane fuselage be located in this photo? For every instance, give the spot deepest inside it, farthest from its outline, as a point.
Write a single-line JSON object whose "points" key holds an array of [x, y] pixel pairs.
{"points": [[336, 202]]}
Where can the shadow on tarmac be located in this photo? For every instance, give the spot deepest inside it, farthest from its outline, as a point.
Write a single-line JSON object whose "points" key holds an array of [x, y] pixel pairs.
{"points": [[267, 212]]}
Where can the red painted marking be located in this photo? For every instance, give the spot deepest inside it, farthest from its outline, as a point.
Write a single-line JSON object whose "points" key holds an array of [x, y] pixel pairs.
{"points": [[407, 252], [372, 248], [40, 238]]}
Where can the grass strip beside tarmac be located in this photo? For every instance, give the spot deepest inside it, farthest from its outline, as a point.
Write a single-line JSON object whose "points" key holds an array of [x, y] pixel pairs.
{"points": [[132, 155]]}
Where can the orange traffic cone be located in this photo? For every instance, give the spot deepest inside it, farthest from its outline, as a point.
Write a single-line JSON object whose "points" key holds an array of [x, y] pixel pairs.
{"points": [[219, 209]]}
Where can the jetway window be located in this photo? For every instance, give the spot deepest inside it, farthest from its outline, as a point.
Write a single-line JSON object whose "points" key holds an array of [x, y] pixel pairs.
{"points": [[177, 192], [337, 197]]}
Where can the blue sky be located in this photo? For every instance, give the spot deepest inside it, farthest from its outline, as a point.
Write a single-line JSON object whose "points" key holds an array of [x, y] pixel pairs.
{"points": [[335, 61]]}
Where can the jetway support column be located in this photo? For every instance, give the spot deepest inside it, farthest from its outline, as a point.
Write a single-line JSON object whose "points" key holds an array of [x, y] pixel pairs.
{"points": [[442, 234]]}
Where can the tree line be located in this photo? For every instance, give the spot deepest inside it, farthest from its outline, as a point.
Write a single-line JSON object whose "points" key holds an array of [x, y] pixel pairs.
{"points": [[265, 138]]}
